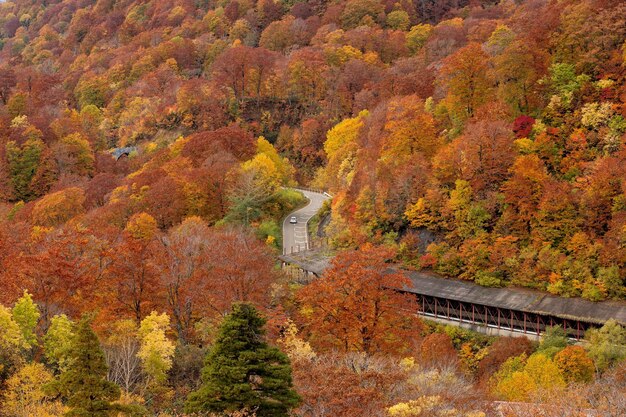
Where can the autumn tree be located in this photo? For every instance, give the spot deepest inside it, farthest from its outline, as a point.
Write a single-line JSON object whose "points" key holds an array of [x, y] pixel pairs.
{"points": [[57, 342], [244, 70], [8, 80], [74, 155], [12, 343], [348, 384], [483, 156], [465, 75], [240, 269], [436, 349], [340, 148], [132, 275], [155, 350], [358, 12], [182, 269], [355, 305], [518, 69], [523, 192], [25, 395], [409, 129], [501, 350], [59, 207], [607, 345], [574, 364], [23, 163], [520, 377], [26, 314], [120, 348]]}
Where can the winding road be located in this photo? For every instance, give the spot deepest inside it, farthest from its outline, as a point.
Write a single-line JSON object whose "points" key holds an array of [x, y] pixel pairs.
{"points": [[296, 236]]}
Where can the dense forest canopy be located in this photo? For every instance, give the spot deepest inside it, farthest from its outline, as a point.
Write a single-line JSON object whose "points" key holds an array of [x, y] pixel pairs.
{"points": [[482, 140], [479, 139]]}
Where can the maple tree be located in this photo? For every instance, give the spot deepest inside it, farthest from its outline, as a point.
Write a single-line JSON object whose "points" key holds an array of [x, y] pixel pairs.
{"points": [[354, 306]]}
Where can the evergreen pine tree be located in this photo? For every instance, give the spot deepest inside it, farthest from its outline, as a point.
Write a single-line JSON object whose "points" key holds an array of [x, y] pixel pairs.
{"points": [[242, 372], [83, 384]]}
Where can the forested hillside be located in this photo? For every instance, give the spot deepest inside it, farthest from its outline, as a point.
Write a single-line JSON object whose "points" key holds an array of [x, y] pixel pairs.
{"points": [[479, 139]]}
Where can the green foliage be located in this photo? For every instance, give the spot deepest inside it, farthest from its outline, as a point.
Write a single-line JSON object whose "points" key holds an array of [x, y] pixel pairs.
{"points": [[270, 232], [83, 384], [398, 19], [361, 12], [553, 340], [23, 163], [91, 92], [417, 37], [564, 80], [257, 187], [607, 345], [612, 282], [26, 314], [488, 279], [242, 372], [58, 341]]}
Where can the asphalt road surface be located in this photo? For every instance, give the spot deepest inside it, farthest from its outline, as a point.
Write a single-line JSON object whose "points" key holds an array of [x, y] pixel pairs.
{"points": [[295, 236]]}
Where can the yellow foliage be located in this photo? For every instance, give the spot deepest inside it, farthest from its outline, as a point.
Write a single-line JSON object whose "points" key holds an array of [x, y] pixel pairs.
{"points": [[142, 226], [518, 387], [340, 148], [428, 406], [544, 372], [12, 340], [525, 146], [150, 147], [417, 36], [339, 56], [264, 171], [517, 381], [118, 193], [295, 347], [57, 208], [455, 22], [38, 232], [156, 350], [409, 129], [407, 363], [282, 165], [25, 397], [178, 145], [414, 407]]}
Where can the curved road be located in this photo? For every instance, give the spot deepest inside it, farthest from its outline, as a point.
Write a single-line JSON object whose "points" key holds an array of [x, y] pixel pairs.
{"points": [[295, 236]]}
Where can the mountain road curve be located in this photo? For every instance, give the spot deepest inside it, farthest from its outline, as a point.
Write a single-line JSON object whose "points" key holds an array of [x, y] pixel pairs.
{"points": [[296, 235]]}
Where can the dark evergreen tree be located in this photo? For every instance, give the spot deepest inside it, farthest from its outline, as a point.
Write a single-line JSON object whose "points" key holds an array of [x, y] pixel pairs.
{"points": [[242, 372], [84, 385]]}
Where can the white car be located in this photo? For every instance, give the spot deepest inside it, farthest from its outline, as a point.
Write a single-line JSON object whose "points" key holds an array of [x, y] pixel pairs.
{"points": [[293, 220]]}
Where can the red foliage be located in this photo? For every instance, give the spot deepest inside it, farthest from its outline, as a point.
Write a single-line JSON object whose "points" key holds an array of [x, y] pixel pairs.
{"points": [[522, 126]]}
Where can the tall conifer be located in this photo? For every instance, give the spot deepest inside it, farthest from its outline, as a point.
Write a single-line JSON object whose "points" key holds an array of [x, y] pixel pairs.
{"points": [[242, 372], [83, 384]]}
